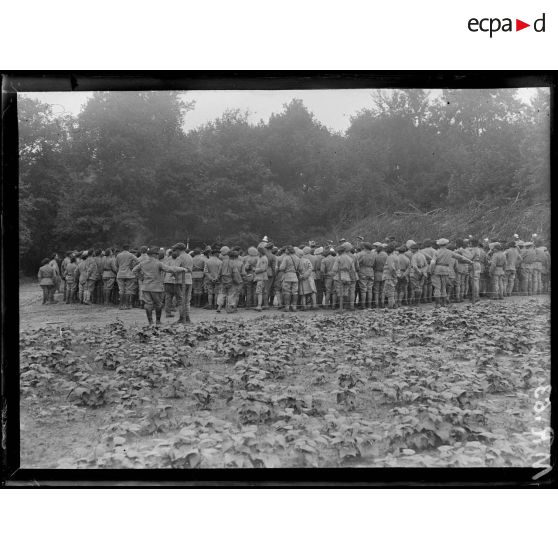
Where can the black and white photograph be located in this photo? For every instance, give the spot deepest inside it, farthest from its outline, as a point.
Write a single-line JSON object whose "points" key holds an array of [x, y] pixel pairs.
{"points": [[285, 278]]}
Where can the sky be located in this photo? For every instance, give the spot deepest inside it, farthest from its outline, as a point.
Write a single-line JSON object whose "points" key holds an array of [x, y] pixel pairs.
{"points": [[332, 107]]}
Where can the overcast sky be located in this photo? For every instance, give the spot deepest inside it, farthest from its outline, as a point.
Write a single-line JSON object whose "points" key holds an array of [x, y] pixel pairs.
{"points": [[332, 107]]}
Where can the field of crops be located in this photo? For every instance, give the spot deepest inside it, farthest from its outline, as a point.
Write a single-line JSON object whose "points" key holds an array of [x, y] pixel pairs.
{"points": [[459, 386]]}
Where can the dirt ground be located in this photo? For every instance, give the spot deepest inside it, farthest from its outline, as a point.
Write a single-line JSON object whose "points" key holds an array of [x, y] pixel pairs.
{"points": [[411, 387]]}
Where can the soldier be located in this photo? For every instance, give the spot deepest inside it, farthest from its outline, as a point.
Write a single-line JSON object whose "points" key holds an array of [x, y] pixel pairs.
{"points": [[142, 257], [439, 267], [169, 284], [465, 286], [183, 282], [307, 285], [260, 276], [476, 269], [278, 283], [528, 266], [419, 272], [198, 265], [513, 259], [403, 279], [461, 272], [428, 251], [125, 262], [326, 271], [250, 261], [379, 264], [108, 277], [366, 259], [318, 258], [545, 273], [226, 285], [344, 271], [212, 269], [269, 293], [70, 269], [452, 281], [391, 274], [290, 267], [46, 276], [83, 271], [538, 265], [151, 271], [497, 271]]}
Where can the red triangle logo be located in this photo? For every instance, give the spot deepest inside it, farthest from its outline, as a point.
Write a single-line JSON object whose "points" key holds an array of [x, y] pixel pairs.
{"points": [[519, 25]]}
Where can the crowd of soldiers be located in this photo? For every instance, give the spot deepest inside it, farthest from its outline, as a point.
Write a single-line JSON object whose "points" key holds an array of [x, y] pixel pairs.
{"points": [[307, 277]]}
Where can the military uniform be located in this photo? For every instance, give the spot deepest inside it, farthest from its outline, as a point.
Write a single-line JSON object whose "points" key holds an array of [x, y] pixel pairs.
{"points": [[211, 270], [46, 278], [378, 288], [318, 258], [418, 273], [108, 276], [290, 265], [513, 259], [403, 279], [307, 285], [170, 287], [152, 273], [230, 280], [248, 276], [366, 259], [390, 277], [498, 274], [527, 267], [125, 262], [326, 271], [439, 268], [198, 265], [260, 278], [184, 284], [344, 272], [70, 270]]}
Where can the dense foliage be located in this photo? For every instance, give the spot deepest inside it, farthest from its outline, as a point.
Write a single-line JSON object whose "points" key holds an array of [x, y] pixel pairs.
{"points": [[400, 388], [125, 169]]}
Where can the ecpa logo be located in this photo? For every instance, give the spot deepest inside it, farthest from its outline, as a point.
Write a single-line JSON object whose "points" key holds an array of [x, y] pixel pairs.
{"points": [[492, 25]]}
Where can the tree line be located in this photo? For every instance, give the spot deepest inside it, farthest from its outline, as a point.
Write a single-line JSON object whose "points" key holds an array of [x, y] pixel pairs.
{"points": [[124, 168]]}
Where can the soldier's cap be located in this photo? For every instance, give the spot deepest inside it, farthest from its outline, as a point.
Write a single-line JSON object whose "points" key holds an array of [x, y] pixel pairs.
{"points": [[401, 248], [341, 240], [225, 250], [515, 235], [233, 254], [360, 237], [84, 253], [319, 251], [207, 249], [179, 246], [153, 251], [442, 241], [340, 248], [409, 243], [413, 246], [298, 251], [306, 250], [252, 251], [265, 239], [312, 243], [348, 246], [376, 244], [367, 245]]}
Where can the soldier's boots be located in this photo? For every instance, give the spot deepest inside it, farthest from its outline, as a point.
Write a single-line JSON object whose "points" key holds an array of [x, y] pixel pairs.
{"points": [[149, 314], [158, 312]]}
